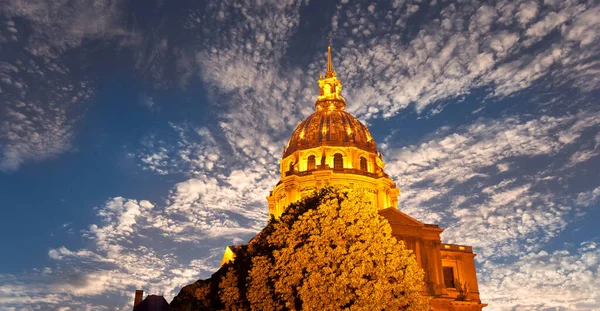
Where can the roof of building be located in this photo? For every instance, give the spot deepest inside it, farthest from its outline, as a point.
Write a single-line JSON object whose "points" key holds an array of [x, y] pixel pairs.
{"points": [[330, 128], [153, 303]]}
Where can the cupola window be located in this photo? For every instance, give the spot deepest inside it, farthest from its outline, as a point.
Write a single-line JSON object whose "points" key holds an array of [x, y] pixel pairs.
{"points": [[312, 162], [338, 161], [363, 164]]}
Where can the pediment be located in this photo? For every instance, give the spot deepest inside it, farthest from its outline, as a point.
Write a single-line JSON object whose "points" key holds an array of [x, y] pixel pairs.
{"points": [[396, 217]]}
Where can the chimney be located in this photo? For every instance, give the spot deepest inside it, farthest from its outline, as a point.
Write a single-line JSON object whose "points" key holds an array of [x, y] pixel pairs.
{"points": [[139, 294]]}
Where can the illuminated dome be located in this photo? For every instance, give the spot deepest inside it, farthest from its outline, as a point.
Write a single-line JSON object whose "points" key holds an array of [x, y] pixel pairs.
{"points": [[331, 148], [333, 127], [330, 125]]}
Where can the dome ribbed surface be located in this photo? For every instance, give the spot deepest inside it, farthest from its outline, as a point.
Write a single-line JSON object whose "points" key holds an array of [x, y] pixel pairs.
{"points": [[330, 128]]}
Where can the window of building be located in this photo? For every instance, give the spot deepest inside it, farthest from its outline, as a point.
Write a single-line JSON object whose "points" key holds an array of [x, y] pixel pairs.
{"points": [[338, 161], [363, 164], [449, 277], [312, 162], [291, 166]]}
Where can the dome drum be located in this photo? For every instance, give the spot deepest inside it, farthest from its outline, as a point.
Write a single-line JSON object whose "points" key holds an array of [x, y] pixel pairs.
{"points": [[351, 161], [382, 192]]}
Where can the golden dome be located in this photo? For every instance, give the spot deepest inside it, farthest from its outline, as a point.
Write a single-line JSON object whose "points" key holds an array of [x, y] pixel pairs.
{"points": [[331, 147], [330, 125], [330, 128]]}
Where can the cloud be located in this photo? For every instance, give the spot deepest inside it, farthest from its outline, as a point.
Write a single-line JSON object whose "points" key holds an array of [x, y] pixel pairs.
{"points": [[59, 26], [148, 102], [463, 181], [582, 157], [158, 247], [190, 151], [527, 12], [228, 205], [587, 198], [585, 28], [387, 68], [34, 129], [131, 247], [563, 279], [42, 96]]}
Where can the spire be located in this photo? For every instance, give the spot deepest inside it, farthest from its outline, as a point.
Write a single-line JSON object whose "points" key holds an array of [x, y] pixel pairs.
{"points": [[329, 73]]}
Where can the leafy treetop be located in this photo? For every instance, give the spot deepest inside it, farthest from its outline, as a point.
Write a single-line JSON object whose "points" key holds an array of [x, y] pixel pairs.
{"points": [[331, 251]]}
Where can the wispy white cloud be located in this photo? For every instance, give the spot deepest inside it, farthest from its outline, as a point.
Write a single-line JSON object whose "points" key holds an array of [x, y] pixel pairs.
{"points": [[33, 129], [475, 182], [130, 248], [562, 279], [158, 247], [58, 26], [220, 206], [470, 45], [588, 198], [42, 98], [148, 102], [192, 151]]}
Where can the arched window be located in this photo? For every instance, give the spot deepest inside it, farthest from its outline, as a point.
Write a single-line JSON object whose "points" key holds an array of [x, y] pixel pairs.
{"points": [[312, 162], [363, 164], [291, 166], [338, 161]]}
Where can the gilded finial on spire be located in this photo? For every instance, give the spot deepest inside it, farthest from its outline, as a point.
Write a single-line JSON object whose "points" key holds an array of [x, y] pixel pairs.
{"points": [[329, 73]]}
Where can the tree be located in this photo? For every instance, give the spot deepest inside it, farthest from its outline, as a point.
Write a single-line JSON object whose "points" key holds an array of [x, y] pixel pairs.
{"points": [[331, 251], [340, 255], [229, 291]]}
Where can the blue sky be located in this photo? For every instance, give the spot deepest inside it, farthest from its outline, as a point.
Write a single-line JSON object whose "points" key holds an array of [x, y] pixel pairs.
{"points": [[139, 138]]}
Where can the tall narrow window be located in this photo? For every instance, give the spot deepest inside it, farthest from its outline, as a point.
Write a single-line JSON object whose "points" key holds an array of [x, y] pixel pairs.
{"points": [[291, 166], [338, 161], [312, 162], [449, 277], [363, 164]]}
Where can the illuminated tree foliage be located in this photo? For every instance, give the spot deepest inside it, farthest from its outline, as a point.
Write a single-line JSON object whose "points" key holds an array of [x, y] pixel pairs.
{"points": [[229, 291], [331, 251]]}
